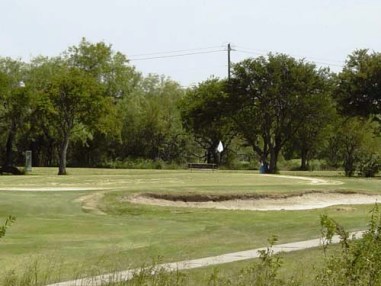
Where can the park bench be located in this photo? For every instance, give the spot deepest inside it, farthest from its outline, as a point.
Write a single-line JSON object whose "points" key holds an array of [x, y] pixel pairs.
{"points": [[202, 166]]}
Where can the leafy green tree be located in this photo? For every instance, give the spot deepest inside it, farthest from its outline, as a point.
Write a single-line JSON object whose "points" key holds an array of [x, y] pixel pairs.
{"points": [[77, 98], [309, 140], [356, 145], [118, 80], [359, 87], [203, 115], [151, 121], [73, 103], [41, 137], [15, 104], [270, 98], [109, 68]]}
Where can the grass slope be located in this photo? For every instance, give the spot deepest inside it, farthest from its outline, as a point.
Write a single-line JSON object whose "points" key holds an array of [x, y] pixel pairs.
{"points": [[53, 228]]}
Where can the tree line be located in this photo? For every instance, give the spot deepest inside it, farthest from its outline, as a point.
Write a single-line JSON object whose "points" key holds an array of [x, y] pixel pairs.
{"points": [[90, 107]]}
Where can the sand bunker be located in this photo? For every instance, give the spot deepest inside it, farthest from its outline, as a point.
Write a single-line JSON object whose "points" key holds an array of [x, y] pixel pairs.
{"points": [[312, 200]]}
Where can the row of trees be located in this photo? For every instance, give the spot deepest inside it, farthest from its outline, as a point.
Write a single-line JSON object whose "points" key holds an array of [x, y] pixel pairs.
{"points": [[280, 105], [88, 98], [89, 106]]}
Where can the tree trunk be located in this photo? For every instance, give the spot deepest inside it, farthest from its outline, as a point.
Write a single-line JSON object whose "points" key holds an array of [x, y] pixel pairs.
{"points": [[304, 161], [273, 160], [9, 145], [36, 153], [208, 157], [62, 155], [212, 153]]}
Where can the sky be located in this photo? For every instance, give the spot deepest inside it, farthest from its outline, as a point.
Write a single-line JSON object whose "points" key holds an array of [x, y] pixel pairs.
{"points": [[186, 40]]}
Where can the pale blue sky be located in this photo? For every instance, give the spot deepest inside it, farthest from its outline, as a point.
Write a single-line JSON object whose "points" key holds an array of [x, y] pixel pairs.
{"points": [[324, 31]]}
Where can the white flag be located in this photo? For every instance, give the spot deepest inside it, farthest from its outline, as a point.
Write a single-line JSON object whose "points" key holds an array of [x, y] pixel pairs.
{"points": [[220, 147]]}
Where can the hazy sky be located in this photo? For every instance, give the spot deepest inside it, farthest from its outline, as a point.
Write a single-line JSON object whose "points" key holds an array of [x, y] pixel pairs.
{"points": [[325, 31]]}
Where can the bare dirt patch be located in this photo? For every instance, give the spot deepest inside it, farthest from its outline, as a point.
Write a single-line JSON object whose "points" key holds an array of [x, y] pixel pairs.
{"points": [[89, 202], [259, 202]]}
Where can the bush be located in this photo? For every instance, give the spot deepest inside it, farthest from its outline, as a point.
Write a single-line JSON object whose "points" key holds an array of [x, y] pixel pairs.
{"points": [[140, 163], [260, 273], [369, 165], [9, 221], [358, 261]]}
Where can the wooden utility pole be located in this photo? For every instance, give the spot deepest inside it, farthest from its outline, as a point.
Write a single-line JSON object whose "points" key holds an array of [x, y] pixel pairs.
{"points": [[229, 50]]}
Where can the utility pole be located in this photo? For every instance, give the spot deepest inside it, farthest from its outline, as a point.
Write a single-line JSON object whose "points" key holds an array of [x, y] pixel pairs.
{"points": [[229, 50]]}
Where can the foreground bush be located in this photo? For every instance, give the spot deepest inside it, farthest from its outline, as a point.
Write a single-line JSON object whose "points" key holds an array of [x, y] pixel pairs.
{"points": [[359, 260]]}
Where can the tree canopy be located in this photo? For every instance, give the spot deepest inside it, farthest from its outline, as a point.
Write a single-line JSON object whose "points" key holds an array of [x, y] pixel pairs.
{"points": [[271, 98], [88, 106], [359, 84], [203, 115]]}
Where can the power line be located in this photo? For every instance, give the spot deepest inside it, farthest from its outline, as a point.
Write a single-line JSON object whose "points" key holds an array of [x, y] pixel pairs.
{"points": [[197, 51], [249, 52], [175, 51], [177, 55]]}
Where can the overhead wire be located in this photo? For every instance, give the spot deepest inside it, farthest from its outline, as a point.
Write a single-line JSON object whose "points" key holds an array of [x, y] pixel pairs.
{"points": [[176, 55], [175, 51], [220, 48]]}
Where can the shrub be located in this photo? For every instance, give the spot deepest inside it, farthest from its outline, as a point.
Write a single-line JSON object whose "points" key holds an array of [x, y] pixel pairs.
{"points": [[358, 261], [369, 165], [3, 229], [140, 163]]}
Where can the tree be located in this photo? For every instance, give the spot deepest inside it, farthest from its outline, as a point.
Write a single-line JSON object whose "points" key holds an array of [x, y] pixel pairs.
{"points": [[109, 68], [359, 87], [77, 98], [310, 138], [356, 145], [151, 120], [15, 104], [203, 115], [75, 104], [41, 137], [270, 98], [118, 80]]}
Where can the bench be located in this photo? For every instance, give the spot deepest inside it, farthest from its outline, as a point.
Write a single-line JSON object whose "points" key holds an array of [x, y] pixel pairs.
{"points": [[202, 166]]}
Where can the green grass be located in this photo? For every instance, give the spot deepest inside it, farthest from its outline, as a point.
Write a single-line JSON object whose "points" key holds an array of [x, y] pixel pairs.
{"points": [[302, 265], [53, 225]]}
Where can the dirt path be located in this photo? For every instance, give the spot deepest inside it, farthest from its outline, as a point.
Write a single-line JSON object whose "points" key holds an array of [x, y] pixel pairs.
{"points": [[311, 181], [201, 262], [89, 203]]}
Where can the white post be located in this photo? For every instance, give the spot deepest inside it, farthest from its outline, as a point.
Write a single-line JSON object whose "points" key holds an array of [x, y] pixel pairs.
{"points": [[28, 161]]}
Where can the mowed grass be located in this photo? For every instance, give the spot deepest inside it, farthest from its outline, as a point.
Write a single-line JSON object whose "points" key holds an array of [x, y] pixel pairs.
{"points": [[53, 228], [301, 266]]}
